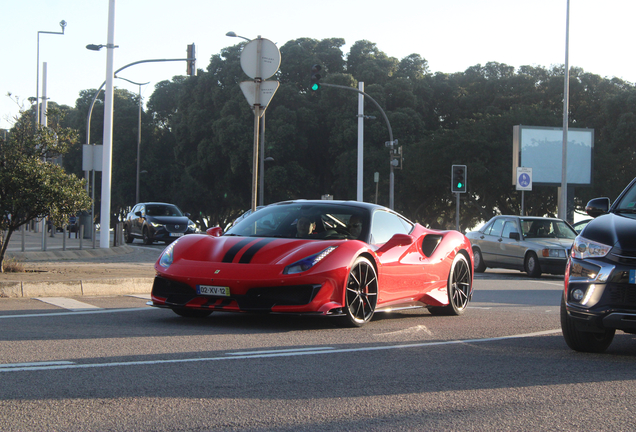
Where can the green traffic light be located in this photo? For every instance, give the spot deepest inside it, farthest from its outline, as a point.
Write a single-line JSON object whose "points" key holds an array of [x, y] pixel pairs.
{"points": [[315, 86], [459, 185]]}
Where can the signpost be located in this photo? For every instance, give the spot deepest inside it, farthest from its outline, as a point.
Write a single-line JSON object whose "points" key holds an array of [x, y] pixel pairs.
{"points": [[524, 183], [260, 59]]}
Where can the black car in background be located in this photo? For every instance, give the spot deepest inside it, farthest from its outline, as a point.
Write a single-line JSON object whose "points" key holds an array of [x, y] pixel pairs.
{"points": [[156, 221], [600, 279]]}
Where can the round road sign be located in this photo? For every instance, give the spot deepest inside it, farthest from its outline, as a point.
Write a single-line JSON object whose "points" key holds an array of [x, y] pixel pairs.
{"points": [[268, 62]]}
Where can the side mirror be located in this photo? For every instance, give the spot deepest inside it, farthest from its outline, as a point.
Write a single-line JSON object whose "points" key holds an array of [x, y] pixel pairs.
{"points": [[214, 231], [514, 235], [138, 214], [187, 215], [597, 207], [395, 241]]}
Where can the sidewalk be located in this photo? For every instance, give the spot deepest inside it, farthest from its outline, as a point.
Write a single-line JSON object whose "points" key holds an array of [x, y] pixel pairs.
{"points": [[65, 270]]}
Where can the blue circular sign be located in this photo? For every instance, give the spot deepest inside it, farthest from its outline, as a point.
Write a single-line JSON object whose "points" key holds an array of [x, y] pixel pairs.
{"points": [[524, 180]]}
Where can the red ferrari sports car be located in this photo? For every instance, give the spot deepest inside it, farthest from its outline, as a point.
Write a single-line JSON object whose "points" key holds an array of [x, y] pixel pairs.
{"points": [[332, 258]]}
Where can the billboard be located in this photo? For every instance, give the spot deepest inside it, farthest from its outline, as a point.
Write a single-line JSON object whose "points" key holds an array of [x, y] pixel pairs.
{"points": [[541, 148]]}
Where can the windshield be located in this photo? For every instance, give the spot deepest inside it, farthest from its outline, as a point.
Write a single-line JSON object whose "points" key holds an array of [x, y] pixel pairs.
{"points": [[163, 210], [628, 201], [309, 221], [546, 228]]}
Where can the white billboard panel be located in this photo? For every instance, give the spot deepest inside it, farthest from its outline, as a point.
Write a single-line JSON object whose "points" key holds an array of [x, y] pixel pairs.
{"points": [[541, 149]]}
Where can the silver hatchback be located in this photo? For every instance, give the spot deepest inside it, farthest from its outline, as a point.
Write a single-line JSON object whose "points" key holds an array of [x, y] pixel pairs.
{"points": [[532, 244]]}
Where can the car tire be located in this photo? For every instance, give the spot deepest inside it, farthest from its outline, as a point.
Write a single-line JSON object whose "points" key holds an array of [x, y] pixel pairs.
{"points": [[128, 236], [459, 288], [147, 239], [532, 266], [580, 340], [192, 313], [361, 293], [480, 267]]}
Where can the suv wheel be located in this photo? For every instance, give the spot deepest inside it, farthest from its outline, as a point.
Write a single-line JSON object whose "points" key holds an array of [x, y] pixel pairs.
{"points": [[583, 341], [147, 239]]}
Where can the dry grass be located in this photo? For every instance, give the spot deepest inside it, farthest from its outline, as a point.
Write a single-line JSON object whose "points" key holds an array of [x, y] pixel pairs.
{"points": [[12, 265]]}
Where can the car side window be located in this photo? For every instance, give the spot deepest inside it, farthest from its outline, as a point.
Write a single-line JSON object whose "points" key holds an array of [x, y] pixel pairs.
{"points": [[497, 227], [385, 225], [486, 229], [509, 227]]}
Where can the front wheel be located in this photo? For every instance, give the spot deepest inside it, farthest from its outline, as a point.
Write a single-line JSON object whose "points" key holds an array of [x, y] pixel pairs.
{"points": [[532, 265], [128, 235], [459, 287], [361, 294], [583, 341], [147, 239]]}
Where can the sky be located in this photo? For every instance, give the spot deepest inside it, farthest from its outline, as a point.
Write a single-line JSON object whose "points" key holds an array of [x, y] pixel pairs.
{"points": [[451, 35]]}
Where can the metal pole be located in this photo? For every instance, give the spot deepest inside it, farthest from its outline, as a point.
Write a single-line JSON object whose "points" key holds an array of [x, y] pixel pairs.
{"points": [[257, 117], [138, 148], [457, 213], [359, 195], [261, 193], [37, 79], [104, 217], [522, 203], [563, 213]]}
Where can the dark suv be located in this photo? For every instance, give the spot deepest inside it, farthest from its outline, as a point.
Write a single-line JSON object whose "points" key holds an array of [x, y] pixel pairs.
{"points": [[155, 221], [600, 278]]}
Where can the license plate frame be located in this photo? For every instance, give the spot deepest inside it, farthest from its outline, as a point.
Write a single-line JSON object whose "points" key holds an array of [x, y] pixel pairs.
{"points": [[176, 234]]}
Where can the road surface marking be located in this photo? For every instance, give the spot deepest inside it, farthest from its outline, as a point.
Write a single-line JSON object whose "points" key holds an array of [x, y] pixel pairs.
{"points": [[86, 312], [269, 354], [67, 303]]}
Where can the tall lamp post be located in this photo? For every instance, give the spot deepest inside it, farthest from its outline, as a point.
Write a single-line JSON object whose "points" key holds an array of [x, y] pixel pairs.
{"points": [[138, 135], [37, 84]]}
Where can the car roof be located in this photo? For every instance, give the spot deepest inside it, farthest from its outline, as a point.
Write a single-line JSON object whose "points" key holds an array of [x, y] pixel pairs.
{"points": [[357, 204], [528, 217]]}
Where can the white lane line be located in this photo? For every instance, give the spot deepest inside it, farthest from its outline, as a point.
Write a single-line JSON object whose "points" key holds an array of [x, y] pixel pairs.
{"points": [[279, 351], [283, 353], [93, 311], [67, 303], [141, 296], [409, 330], [31, 364]]}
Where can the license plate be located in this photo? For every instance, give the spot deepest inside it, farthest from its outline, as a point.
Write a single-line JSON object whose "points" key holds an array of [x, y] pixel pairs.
{"points": [[632, 276], [176, 234], [213, 290]]}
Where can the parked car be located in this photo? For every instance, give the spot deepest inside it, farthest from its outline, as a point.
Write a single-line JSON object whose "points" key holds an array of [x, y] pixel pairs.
{"points": [[578, 226], [535, 245], [600, 282], [333, 258], [156, 221]]}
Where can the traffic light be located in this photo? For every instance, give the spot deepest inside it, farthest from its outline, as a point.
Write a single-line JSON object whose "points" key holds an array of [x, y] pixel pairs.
{"points": [[192, 61], [315, 77], [458, 178]]}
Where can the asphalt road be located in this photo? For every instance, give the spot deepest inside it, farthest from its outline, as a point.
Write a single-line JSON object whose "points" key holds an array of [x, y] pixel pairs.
{"points": [[113, 364]]}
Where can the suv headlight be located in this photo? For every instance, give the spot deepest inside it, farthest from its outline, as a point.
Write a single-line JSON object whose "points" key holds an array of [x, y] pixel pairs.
{"points": [[156, 225], [584, 248]]}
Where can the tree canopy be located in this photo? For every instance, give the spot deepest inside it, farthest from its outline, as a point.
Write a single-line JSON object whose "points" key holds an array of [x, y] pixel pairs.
{"points": [[197, 134]]}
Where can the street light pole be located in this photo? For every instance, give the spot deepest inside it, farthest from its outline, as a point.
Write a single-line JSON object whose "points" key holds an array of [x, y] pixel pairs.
{"points": [[138, 135], [37, 83]]}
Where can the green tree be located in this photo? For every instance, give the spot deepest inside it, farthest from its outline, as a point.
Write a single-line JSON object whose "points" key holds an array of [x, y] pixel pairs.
{"points": [[30, 187]]}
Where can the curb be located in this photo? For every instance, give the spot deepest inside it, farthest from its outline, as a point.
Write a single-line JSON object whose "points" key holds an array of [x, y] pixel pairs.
{"points": [[70, 254], [93, 287]]}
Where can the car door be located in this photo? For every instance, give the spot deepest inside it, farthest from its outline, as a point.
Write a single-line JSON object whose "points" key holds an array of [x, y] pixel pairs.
{"points": [[139, 220], [398, 269], [512, 251], [490, 243]]}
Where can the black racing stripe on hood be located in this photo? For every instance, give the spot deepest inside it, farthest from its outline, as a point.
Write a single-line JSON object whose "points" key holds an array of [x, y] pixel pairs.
{"points": [[249, 253], [231, 253]]}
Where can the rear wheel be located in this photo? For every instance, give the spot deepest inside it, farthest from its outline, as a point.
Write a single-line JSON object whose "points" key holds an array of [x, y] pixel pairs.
{"points": [[459, 287], [532, 265], [480, 267], [192, 313], [361, 294], [583, 341]]}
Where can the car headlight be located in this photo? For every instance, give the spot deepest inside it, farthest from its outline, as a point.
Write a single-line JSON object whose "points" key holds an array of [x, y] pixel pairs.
{"points": [[155, 224], [554, 253], [192, 226], [307, 263], [167, 256], [584, 248]]}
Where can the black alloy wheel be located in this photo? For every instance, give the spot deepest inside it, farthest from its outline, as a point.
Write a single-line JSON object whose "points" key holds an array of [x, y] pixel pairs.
{"points": [[459, 288], [361, 294], [147, 239], [128, 236]]}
